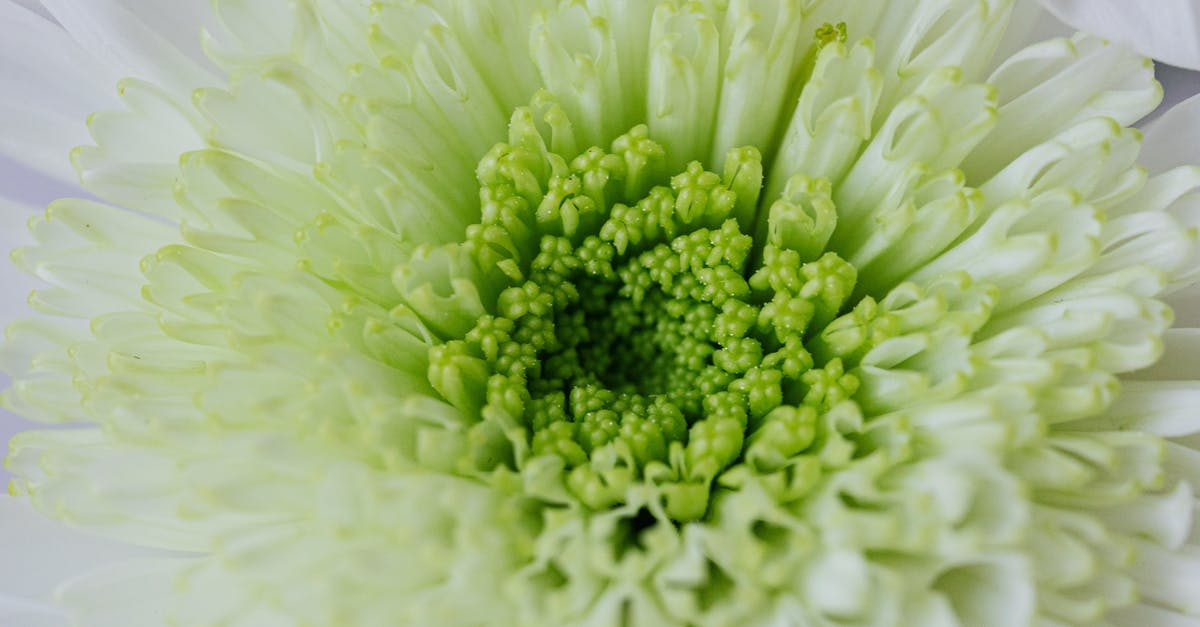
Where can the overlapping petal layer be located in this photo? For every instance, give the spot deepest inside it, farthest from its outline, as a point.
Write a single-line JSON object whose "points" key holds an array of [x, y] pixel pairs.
{"points": [[369, 346]]}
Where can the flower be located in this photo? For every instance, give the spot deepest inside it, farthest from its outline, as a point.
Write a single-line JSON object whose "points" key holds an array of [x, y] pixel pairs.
{"points": [[1165, 32], [616, 313]]}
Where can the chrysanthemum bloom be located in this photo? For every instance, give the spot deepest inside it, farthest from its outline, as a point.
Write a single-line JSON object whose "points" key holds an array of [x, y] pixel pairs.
{"points": [[618, 313]]}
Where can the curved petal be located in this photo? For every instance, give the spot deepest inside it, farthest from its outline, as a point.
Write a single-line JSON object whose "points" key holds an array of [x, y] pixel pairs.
{"points": [[60, 61], [48, 85], [1173, 139], [16, 284], [1030, 23], [138, 40], [1167, 30], [1178, 84]]}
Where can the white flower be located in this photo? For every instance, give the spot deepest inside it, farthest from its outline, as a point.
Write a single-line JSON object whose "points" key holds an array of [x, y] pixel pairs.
{"points": [[600, 312], [1162, 29]]}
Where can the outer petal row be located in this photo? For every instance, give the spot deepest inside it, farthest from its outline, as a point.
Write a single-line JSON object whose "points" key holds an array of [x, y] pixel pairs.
{"points": [[1167, 30]]}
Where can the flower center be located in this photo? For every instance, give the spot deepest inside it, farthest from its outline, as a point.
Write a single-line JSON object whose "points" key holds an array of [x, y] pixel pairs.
{"points": [[641, 336]]}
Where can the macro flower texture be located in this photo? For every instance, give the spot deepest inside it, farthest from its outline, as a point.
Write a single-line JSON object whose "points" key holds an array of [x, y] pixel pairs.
{"points": [[609, 313]]}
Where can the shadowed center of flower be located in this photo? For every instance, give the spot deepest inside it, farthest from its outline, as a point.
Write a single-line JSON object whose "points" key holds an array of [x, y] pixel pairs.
{"points": [[639, 334]]}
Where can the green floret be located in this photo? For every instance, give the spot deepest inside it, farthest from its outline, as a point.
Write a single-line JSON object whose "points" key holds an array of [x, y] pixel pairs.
{"points": [[735, 320], [494, 249], [854, 333], [527, 300], [596, 256], [693, 250], [720, 284], [691, 354], [600, 489], [784, 433], [597, 168], [537, 332], [509, 395], [636, 350], [792, 359], [547, 410], [587, 399], [779, 272], [490, 335], [700, 197], [504, 206], [743, 176], [739, 355], [668, 418], [712, 380], [564, 206], [458, 376], [803, 218], [726, 404], [508, 172], [559, 438], [598, 428], [644, 437], [829, 281], [658, 208], [713, 444], [556, 256], [515, 359], [786, 316], [643, 158], [729, 246], [698, 319], [763, 389], [625, 227], [828, 386]]}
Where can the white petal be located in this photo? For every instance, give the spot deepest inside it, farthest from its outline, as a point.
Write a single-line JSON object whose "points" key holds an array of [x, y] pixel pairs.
{"points": [[1173, 139], [1052, 86], [1029, 24], [1169, 578], [16, 284], [54, 73], [1167, 30], [41, 140], [179, 22], [137, 41], [48, 85], [14, 287]]}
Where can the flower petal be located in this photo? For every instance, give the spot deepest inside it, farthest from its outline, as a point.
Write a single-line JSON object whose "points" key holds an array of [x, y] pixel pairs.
{"points": [[1168, 30], [17, 284], [138, 41], [1173, 139], [48, 85], [1030, 23]]}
